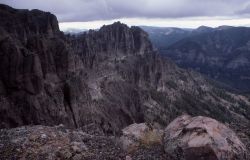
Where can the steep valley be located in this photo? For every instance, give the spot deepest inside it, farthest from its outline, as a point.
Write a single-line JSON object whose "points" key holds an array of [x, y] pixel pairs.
{"points": [[221, 53]]}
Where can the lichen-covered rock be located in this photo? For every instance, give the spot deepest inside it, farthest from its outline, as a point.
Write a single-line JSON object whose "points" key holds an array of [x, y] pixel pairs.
{"points": [[132, 134], [202, 138], [135, 130], [135, 135]]}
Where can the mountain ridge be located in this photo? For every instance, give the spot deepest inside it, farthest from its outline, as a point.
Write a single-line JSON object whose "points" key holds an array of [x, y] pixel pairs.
{"points": [[91, 86], [221, 54], [111, 77]]}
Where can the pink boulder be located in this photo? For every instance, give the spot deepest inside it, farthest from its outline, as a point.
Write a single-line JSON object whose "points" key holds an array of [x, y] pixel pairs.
{"points": [[202, 138]]}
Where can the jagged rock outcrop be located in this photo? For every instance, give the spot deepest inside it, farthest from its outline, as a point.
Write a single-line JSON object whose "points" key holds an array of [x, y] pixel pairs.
{"points": [[108, 78], [202, 138], [113, 41], [35, 64], [23, 23]]}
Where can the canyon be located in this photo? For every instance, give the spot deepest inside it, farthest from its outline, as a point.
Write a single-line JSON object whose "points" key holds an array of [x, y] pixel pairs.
{"points": [[100, 80]]}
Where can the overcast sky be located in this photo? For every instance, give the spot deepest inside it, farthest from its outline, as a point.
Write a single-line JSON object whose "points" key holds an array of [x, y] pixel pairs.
{"points": [[177, 13]]}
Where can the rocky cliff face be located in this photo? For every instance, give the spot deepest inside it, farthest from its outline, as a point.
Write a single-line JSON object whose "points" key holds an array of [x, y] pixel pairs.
{"points": [[108, 78], [24, 23], [34, 62]]}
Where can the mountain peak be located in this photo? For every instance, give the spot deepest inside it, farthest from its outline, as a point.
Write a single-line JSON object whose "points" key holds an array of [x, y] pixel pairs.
{"points": [[204, 28], [119, 38], [115, 24]]}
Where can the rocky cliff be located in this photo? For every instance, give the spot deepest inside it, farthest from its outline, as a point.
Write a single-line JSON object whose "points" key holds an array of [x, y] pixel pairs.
{"points": [[99, 81], [108, 78], [34, 65]]}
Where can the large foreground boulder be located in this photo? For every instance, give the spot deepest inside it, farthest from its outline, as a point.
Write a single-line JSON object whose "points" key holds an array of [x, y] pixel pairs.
{"points": [[202, 138]]}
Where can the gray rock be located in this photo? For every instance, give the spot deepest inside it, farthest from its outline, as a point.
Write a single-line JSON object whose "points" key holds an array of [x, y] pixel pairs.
{"points": [[135, 135], [128, 158], [78, 147]]}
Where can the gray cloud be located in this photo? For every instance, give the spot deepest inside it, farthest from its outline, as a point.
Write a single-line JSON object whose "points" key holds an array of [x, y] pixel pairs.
{"points": [[245, 10], [88, 10]]}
